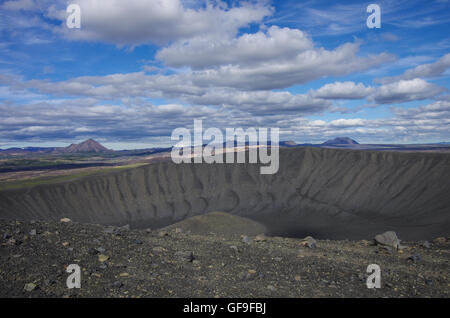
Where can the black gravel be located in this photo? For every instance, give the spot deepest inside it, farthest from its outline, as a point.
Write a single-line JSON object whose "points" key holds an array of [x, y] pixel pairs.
{"points": [[141, 263]]}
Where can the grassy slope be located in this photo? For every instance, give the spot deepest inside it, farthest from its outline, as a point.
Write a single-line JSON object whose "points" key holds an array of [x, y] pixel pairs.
{"points": [[18, 184]]}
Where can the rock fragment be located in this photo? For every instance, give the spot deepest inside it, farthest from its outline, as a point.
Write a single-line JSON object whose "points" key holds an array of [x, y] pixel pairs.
{"points": [[271, 288], [163, 233], [439, 240], [29, 287], [100, 250], [185, 256], [309, 241], [117, 284], [389, 239], [103, 258], [260, 238], [415, 258], [424, 244], [248, 275]]}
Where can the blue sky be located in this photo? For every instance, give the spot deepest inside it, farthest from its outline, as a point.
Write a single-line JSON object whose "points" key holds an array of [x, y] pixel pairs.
{"points": [[138, 69]]}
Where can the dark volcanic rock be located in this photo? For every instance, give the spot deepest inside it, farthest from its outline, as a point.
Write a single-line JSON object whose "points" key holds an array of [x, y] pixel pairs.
{"points": [[129, 270], [388, 239], [186, 256]]}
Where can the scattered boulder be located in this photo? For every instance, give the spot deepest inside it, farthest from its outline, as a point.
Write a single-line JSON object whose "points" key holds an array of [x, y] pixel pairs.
{"points": [[260, 238], [424, 244], [440, 240], [103, 258], [415, 258], [388, 239], [248, 275], [100, 250], [246, 239], [186, 256], [309, 241], [117, 284], [271, 288], [110, 230], [29, 287], [163, 233], [13, 241]]}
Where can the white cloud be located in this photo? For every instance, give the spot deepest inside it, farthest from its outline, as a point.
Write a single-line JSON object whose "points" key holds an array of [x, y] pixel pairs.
{"points": [[274, 44], [405, 91], [135, 22], [305, 67], [353, 122], [437, 110], [262, 102], [342, 90], [425, 70]]}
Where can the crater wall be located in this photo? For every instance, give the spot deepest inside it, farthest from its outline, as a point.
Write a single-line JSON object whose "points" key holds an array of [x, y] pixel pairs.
{"points": [[326, 193]]}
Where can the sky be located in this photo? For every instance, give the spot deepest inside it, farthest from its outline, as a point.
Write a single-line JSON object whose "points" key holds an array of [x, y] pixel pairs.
{"points": [[135, 70]]}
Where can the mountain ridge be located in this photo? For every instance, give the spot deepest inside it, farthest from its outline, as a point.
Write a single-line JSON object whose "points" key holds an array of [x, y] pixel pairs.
{"points": [[89, 145], [341, 141]]}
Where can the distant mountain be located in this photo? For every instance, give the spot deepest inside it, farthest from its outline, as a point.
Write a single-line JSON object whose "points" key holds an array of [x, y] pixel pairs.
{"points": [[340, 141], [288, 143], [89, 145], [39, 149]]}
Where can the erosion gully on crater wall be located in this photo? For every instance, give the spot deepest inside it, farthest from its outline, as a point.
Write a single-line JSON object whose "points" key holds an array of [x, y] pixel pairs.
{"points": [[326, 193]]}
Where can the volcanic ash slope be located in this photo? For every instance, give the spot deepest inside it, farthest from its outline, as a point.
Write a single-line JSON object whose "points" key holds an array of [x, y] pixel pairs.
{"points": [[326, 193]]}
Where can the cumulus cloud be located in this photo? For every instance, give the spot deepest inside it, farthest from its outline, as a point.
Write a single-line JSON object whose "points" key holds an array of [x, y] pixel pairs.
{"points": [[72, 119], [274, 44], [75, 119], [437, 110], [413, 125], [425, 70], [207, 66], [263, 102], [342, 90], [305, 67], [352, 122], [405, 91], [135, 22]]}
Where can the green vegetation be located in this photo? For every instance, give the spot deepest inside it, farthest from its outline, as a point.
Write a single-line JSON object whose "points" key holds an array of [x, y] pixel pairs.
{"points": [[27, 183], [25, 163]]}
